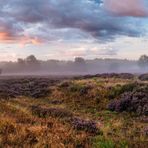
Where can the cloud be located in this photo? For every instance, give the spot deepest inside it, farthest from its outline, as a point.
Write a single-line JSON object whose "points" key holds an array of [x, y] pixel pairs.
{"points": [[126, 7], [36, 21], [8, 30], [109, 52]]}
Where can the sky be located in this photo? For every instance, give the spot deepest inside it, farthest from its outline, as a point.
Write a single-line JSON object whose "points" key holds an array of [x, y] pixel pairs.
{"points": [[64, 29]]}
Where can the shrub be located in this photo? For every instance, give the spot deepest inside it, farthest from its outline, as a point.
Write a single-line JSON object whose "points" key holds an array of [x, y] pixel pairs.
{"points": [[143, 77], [135, 101], [115, 75], [65, 84], [28, 87], [88, 126], [81, 89], [118, 90], [53, 112]]}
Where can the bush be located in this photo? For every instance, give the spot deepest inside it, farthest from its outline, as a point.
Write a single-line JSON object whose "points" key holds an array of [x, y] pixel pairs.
{"points": [[134, 101], [28, 87], [53, 112], [65, 84], [118, 90], [143, 77], [81, 89], [88, 126], [115, 75]]}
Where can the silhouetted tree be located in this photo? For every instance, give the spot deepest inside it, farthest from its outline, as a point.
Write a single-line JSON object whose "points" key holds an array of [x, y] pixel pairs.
{"points": [[20, 61], [32, 63], [143, 61], [79, 60], [31, 60], [80, 64]]}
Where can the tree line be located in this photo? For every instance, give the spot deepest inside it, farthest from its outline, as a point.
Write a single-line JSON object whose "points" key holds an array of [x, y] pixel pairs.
{"points": [[80, 66]]}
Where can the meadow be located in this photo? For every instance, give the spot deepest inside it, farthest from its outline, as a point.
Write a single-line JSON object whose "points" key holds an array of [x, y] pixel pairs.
{"points": [[93, 111]]}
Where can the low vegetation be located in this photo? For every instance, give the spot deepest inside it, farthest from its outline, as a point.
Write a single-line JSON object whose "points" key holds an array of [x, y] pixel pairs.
{"points": [[101, 111]]}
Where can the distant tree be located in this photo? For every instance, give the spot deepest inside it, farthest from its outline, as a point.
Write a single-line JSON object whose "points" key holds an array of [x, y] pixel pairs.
{"points": [[143, 61], [32, 63], [79, 60], [20, 61], [80, 64], [32, 60]]}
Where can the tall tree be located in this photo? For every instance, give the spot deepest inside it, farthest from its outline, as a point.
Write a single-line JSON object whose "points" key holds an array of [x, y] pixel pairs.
{"points": [[31, 60], [32, 63], [143, 61], [80, 64]]}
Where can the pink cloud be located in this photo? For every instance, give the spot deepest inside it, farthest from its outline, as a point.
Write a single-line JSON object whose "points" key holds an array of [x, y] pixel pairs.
{"points": [[6, 37], [30, 40], [126, 7]]}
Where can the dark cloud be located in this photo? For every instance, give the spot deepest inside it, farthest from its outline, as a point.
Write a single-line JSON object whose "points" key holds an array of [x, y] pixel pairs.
{"points": [[36, 18], [133, 8]]}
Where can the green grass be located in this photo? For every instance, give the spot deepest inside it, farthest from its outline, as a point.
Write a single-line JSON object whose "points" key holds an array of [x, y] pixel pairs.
{"points": [[100, 142]]}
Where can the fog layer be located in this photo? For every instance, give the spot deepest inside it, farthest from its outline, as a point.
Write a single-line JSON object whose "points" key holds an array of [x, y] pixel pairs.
{"points": [[80, 66]]}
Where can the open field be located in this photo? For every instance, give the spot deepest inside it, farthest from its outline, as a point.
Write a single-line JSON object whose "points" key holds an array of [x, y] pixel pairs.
{"points": [[101, 111]]}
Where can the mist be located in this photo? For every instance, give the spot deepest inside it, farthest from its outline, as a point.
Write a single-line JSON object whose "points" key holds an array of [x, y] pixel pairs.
{"points": [[79, 66]]}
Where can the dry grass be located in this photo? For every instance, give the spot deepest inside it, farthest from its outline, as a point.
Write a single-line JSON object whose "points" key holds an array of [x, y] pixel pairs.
{"points": [[20, 127]]}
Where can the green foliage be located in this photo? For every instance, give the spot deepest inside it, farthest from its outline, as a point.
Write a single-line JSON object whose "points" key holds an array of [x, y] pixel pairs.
{"points": [[118, 90], [75, 88], [101, 142]]}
